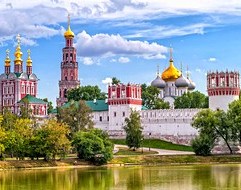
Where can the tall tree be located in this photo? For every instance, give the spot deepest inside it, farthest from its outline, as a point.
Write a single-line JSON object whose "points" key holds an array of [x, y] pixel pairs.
{"points": [[150, 98], [234, 115], [51, 140], [214, 124], [191, 100], [50, 105], [77, 115], [86, 93], [133, 130]]}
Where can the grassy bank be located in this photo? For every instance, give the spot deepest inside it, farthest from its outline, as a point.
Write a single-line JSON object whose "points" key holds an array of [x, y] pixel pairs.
{"points": [[177, 159], [127, 160], [157, 143], [19, 164]]}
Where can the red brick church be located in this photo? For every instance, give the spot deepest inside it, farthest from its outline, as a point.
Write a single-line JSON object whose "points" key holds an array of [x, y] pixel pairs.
{"points": [[19, 86]]}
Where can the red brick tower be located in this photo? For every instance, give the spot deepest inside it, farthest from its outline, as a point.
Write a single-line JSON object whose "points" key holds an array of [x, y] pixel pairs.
{"points": [[69, 67]]}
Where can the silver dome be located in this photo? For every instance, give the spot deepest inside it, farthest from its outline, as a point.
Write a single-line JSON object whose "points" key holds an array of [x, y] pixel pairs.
{"points": [[158, 82], [182, 82], [191, 85]]}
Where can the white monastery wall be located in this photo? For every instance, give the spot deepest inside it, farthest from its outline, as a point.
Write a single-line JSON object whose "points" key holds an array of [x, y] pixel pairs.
{"points": [[170, 124]]}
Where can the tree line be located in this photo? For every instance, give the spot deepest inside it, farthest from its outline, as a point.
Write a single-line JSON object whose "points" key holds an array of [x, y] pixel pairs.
{"points": [[72, 131]]}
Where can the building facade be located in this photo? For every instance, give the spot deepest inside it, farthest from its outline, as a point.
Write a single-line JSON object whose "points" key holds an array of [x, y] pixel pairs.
{"points": [[69, 68], [17, 85]]}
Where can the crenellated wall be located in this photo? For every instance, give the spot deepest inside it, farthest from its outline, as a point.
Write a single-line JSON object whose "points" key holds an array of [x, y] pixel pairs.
{"points": [[173, 125]]}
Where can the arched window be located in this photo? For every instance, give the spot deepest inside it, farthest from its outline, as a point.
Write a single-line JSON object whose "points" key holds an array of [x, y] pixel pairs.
{"points": [[65, 93]]}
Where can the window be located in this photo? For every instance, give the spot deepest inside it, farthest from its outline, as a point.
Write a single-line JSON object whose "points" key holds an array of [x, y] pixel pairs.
{"points": [[114, 114], [107, 118], [123, 114], [65, 93], [66, 78], [100, 118]]}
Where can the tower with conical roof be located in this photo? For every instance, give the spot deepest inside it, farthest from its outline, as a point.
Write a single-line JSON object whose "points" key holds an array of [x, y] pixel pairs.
{"points": [[69, 67]]}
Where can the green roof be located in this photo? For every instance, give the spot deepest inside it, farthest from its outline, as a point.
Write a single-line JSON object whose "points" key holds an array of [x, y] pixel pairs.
{"points": [[98, 105], [144, 108], [32, 99], [18, 74]]}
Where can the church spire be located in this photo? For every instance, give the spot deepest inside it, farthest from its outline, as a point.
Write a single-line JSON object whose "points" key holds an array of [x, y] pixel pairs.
{"points": [[68, 33], [29, 63], [18, 57], [7, 62]]}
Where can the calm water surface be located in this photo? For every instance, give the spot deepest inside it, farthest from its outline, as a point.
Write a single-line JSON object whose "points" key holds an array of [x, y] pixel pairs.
{"points": [[213, 177]]}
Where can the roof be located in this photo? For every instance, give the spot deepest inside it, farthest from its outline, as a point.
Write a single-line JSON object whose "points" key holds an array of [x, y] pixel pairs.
{"points": [[98, 105], [32, 99]]}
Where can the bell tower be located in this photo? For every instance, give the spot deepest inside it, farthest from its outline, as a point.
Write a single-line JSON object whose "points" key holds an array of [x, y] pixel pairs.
{"points": [[69, 67]]}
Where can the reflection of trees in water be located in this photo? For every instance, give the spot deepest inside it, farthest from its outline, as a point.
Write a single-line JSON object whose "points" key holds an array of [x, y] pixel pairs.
{"points": [[130, 178], [57, 179], [228, 176], [218, 177]]}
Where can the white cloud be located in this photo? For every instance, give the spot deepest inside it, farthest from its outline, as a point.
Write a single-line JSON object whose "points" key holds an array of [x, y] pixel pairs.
{"points": [[110, 45], [124, 60], [88, 61], [107, 80], [212, 59]]}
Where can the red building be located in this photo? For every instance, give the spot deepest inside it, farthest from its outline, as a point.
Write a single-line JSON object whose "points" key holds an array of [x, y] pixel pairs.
{"points": [[16, 85], [69, 68]]}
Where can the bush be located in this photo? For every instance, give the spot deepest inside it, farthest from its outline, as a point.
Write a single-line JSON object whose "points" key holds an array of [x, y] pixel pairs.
{"points": [[202, 145], [93, 146]]}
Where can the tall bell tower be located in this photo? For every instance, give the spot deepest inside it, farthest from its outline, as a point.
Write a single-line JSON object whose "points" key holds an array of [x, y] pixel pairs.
{"points": [[69, 67]]}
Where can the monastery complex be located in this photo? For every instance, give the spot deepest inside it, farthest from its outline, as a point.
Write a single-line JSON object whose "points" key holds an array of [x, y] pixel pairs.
{"points": [[169, 124]]}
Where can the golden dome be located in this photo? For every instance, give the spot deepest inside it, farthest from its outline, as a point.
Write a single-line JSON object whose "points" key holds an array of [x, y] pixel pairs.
{"points": [[18, 54], [171, 73], [29, 60], [7, 60], [68, 33]]}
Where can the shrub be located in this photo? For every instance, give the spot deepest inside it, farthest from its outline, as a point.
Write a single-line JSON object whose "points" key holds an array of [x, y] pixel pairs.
{"points": [[202, 145], [93, 146]]}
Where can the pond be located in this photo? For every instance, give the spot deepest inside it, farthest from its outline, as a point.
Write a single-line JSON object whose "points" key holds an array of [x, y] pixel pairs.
{"points": [[195, 177]]}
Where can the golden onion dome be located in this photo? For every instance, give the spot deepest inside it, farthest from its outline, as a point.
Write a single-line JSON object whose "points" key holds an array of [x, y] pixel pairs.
{"points": [[29, 60], [18, 54], [7, 60], [68, 33], [171, 73]]}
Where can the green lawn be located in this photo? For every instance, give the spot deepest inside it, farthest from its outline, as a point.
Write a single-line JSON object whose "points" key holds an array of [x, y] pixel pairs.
{"points": [[157, 143], [126, 151]]}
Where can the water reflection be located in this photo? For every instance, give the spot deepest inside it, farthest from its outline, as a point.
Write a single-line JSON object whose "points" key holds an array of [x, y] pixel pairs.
{"points": [[128, 178]]}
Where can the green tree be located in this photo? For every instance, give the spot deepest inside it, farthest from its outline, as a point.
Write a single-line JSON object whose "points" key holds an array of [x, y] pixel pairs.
{"points": [[77, 115], [115, 81], [25, 110], [51, 140], [3, 137], [50, 105], [202, 145], [133, 130], [191, 100], [234, 116], [18, 136], [150, 98], [86, 93], [94, 146], [214, 124]]}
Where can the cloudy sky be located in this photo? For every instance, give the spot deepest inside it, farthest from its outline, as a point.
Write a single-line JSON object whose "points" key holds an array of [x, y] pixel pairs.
{"points": [[126, 39]]}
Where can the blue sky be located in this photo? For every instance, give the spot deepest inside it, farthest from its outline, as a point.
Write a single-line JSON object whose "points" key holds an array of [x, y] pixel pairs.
{"points": [[123, 38]]}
